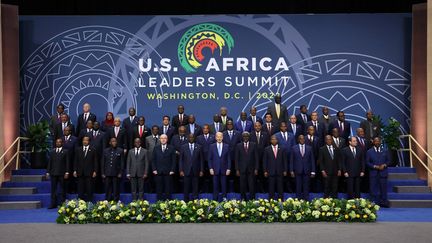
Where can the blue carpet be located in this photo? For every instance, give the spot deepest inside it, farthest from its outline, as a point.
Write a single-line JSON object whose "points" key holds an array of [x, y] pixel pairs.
{"points": [[49, 215]]}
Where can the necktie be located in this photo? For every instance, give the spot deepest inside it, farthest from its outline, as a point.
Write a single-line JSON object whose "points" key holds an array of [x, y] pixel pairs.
{"points": [[269, 127], [277, 110], [116, 131], [165, 129], [258, 137], [304, 118], [155, 140], [353, 152], [294, 128], [337, 142], [206, 137], [246, 147], [85, 151], [342, 126], [181, 118], [219, 149], [361, 141], [275, 151], [315, 125], [64, 125], [224, 120], [302, 150], [181, 138], [192, 128], [136, 152], [311, 138], [131, 119], [94, 134], [230, 134], [141, 131], [163, 148], [243, 126], [283, 136], [58, 150], [331, 151], [191, 149], [217, 126], [254, 119]]}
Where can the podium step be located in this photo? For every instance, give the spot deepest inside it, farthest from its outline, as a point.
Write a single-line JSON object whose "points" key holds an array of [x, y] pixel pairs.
{"points": [[20, 205], [27, 178], [402, 176], [18, 190], [411, 189], [411, 203]]}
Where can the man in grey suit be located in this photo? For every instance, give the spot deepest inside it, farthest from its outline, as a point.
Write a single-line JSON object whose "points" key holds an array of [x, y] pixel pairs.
{"points": [[150, 143], [137, 169], [278, 111]]}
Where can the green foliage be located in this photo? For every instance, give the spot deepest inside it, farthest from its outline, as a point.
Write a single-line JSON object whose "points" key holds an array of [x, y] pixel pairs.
{"points": [[208, 211], [390, 132], [38, 135]]}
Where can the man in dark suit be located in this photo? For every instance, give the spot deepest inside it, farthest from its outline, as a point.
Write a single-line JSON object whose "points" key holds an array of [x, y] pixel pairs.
{"points": [[70, 143], [150, 143], [320, 131], [59, 128], [342, 125], [303, 117], [84, 117], [315, 142], [84, 132], [378, 160], [120, 134], [97, 139], [56, 118], [179, 139], [141, 131], [338, 142], [58, 170], [253, 117], [112, 164], [191, 167], [163, 166], [137, 165], [326, 119], [181, 119], [353, 167], [217, 125], [130, 122], [246, 166], [363, 143], [166, 128], [223, 114], [192, 127], [262, 140], [278, 111], [370, 127], [85, 169], [204, 140], [275, 167], [232, 138], [243, 125], [269, 126], [302, 167], [329, 160], [286, 139], [219, 163], [295, 128]]}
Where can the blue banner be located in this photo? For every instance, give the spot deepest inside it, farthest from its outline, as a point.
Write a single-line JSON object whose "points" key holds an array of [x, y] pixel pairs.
{"points": [[349, 62]]}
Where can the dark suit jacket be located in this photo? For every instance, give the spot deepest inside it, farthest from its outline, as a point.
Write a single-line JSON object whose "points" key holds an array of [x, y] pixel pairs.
{"points": [[135, 134], [342, 143], [228, 118], [112, 161], [286, 144], [319, 132], [175, 122], [246, 161], [275, 166], [248, 126], [85, 165], [315, 144], [219, 164], [298, 131], [263, 142], [58, 163], [122, 136], [364, 144], [205, 144], [235, 139], [377, 158], [326, 163], [353, 166], [300, 119], [274, 129], [81, 124], [70, 146], [375, 129], [137, 166], [326, 122], [213, 128], [54, 120], [177, 142], [170, 132], [257, 118], [196, 132], [345, 133], [302, 165], [164, 162], [82, 134], [58, 130], [99, 142], [191, 164], [128, 125], [283, 113]]}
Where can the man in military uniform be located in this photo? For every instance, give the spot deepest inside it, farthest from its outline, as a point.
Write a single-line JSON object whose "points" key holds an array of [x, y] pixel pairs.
{"points": [[112, 164]]}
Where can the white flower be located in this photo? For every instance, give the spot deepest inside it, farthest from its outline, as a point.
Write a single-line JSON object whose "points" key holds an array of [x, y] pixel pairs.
{"points": [[284, 215], [81, 217], [200, 211], [220, 214], [316, 213], [113, 207], [298, 216], [325, 208], [178, 217], [139, 217]]}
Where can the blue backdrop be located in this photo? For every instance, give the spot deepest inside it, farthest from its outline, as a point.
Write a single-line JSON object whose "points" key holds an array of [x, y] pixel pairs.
{"points": [[350, 62]]}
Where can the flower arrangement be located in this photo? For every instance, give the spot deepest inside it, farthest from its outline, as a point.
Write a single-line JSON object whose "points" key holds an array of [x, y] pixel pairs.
{"points": [[205, 210]]}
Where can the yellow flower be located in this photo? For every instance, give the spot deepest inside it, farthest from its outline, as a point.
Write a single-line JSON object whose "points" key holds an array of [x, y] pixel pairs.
{"points": [[358, 216], [336, 214], [365, 216], [150, 215], [167, 211], [117, 218], [242, 215], [346, 216]]}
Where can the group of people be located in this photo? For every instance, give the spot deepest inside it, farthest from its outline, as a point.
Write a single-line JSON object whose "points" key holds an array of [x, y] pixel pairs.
{"points": [[275, 154]]}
